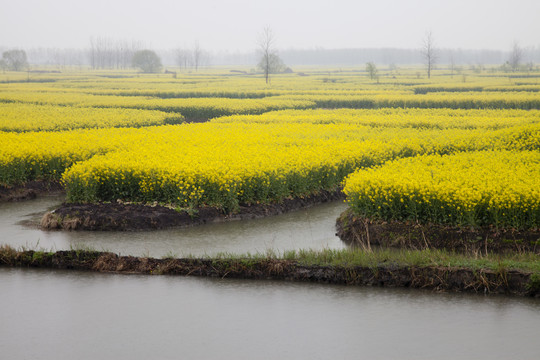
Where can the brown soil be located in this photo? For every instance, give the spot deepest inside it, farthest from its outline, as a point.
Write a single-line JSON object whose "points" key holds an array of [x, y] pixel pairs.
{"points": [[127, 217], [29, 190], [363, 232], [429, 277]]}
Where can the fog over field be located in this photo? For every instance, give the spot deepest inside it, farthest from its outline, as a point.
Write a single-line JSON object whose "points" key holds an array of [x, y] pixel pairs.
{"points": [[233, 26]]}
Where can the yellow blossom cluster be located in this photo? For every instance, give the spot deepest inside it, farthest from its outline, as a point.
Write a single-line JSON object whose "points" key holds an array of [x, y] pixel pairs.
{"points": [[251, 162], [497, 188]]}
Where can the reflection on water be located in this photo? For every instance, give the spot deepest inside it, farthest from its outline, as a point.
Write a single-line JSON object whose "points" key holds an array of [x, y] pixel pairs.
{"points": [[310, 228], [67, 315]]}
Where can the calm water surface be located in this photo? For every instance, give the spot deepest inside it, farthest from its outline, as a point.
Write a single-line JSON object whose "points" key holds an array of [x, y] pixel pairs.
{"points": [[76, 315], [72, 315], [310, 228]]}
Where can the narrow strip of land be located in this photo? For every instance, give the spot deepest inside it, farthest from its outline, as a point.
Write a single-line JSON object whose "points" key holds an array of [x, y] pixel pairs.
{"points": [[429, 270]]}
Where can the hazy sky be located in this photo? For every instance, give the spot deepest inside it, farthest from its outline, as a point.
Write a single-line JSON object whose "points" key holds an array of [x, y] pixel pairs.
{"points": [[235, 24]]}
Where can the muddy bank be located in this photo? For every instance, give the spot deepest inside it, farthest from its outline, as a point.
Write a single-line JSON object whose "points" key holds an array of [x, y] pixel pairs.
{"points": [[437, 278], [29, 190], [364, 233], [132, 217]]}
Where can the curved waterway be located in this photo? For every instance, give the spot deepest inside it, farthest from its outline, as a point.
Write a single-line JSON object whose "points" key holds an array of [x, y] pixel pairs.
{"points": [[312, 228], [68, 314], [75, 315]]}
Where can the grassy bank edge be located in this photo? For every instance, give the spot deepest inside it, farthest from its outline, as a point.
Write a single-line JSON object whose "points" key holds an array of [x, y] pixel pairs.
{"points": [[526, 262], [517, 274]]}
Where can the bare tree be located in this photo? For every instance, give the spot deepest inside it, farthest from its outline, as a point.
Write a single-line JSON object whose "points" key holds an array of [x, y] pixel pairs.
{"points": [[92, 54], [452, 64], [516, 56], [270, 62], [183, 58], [100, 53], [429, 52], [122, 54], [197, 55], [266, 47], [110, 53]]}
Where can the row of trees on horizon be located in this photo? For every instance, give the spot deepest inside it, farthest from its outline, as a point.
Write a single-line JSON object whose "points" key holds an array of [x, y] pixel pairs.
{"points": [[108, 53]]}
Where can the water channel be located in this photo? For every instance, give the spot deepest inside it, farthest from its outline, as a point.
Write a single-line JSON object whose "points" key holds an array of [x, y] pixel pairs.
{"points": [[77, 315], [310, 228], [72, 315]]}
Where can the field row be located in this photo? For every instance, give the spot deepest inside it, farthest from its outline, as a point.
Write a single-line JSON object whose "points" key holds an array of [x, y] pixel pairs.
{"points": [[190, 109], [396, 117], [22, 117], [451, 100], [203, 108]]}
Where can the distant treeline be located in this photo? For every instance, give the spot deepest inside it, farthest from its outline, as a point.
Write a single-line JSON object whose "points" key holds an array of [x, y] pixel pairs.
{"points": [[115, 55], [383, 56]]}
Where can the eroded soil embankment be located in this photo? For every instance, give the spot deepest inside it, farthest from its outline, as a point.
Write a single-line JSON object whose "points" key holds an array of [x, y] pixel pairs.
{"points": [[127, 217], [430, 277], [29, 190], [363, 232]]}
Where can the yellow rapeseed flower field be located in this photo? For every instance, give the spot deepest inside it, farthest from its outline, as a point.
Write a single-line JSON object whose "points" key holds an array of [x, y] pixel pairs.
{"points": [[109, 137], [497, 188], [244, 163]]}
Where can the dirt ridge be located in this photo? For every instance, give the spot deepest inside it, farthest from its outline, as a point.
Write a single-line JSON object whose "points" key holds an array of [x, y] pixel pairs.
{"points": [[438, 278], [136, 217]]}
